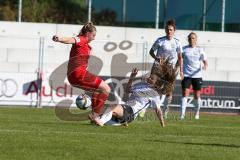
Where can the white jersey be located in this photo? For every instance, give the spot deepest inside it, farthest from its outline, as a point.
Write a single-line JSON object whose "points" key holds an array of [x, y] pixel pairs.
{"points": [[192, 61], [167, 49], [143, 96]]}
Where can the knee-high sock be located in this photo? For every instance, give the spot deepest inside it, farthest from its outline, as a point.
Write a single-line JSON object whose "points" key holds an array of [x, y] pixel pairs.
{"points": [[98, 102], [94, 98], [183, 106], [197, 103]]}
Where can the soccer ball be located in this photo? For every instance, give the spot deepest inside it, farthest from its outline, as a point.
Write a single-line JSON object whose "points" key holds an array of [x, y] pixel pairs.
{"points": [[83, 101]]}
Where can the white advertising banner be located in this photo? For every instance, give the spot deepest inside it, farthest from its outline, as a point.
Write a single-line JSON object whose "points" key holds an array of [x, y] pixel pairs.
{"points": [[24, 89], [12, 89]]}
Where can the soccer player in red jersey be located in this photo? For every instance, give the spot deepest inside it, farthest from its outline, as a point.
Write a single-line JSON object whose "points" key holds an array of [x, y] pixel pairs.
{"points": [[77, 73]]}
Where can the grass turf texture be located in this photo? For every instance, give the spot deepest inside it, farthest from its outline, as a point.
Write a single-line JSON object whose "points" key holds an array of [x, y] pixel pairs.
{"points": [[29, 133]]}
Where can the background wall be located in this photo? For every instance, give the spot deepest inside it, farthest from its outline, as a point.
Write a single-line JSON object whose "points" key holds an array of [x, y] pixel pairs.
{"points": [[19, 47]]}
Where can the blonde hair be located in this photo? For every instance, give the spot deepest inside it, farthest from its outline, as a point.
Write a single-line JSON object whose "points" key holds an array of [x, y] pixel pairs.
{"points": [[88, 27]]}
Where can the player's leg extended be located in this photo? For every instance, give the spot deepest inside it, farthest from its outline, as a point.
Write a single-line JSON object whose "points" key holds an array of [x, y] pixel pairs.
{"points": [[116, 110]]}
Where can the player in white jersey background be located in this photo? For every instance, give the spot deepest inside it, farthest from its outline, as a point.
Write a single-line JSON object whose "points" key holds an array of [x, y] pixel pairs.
{"points": [[168, 47], [194, 61]]}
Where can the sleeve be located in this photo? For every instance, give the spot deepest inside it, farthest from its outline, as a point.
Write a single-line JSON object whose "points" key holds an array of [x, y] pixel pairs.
{"points": [[77, 40], [179, 47], [183, 51], [155, 46]]}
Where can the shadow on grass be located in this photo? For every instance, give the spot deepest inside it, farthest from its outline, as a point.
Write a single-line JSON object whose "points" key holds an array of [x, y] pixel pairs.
{"points": [[199, 144], [63, 112]]}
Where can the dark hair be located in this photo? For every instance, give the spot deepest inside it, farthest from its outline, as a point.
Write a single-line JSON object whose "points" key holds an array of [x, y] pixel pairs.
{"points": [[171, 22], [88, 27], [192, 33]]}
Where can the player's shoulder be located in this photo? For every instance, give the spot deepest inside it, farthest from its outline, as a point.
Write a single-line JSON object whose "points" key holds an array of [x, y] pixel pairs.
{"points": [[138, 85], [163, 38], [80, 39], [176, 39], [200, 49], [186, 47]]}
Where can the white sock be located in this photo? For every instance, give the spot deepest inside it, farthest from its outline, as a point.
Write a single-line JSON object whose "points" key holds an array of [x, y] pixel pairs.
{"points": [[106, 116], [197, 104], [183, 107]]}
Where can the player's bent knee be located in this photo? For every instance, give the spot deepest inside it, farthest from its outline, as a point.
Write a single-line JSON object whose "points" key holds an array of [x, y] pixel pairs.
{"points": [[104, 87]]}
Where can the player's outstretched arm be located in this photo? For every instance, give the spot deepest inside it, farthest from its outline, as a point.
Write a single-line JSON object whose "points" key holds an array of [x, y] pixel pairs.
{"points": [[160, 116], [132, 77], [66, 40]]}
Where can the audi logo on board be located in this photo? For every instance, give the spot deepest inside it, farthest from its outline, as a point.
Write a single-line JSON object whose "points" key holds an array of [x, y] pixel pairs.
{"points": [[8, 88]]}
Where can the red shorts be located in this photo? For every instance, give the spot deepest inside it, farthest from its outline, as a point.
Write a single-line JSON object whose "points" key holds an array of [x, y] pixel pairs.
{"points": [[81, 78]]}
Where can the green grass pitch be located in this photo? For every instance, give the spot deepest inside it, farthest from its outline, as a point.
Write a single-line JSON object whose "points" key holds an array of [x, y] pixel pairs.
{"points": [[38, 134]]}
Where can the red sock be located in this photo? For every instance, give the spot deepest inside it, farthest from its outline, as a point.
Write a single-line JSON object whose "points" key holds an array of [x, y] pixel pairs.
{"points": [[94, 99], [100, 101]]}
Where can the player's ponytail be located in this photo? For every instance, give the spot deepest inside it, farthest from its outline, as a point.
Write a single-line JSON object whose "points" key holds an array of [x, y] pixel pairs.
{"points": [[88, 27], [166, 76]]}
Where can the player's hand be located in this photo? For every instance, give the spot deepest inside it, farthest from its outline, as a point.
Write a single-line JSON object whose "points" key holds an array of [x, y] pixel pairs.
{"points": [[204, 67], [134, 73], [160, 117], [55, 38]]}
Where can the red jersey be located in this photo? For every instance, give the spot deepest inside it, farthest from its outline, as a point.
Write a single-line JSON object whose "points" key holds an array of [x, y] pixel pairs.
{"points": [[79, 54]]}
